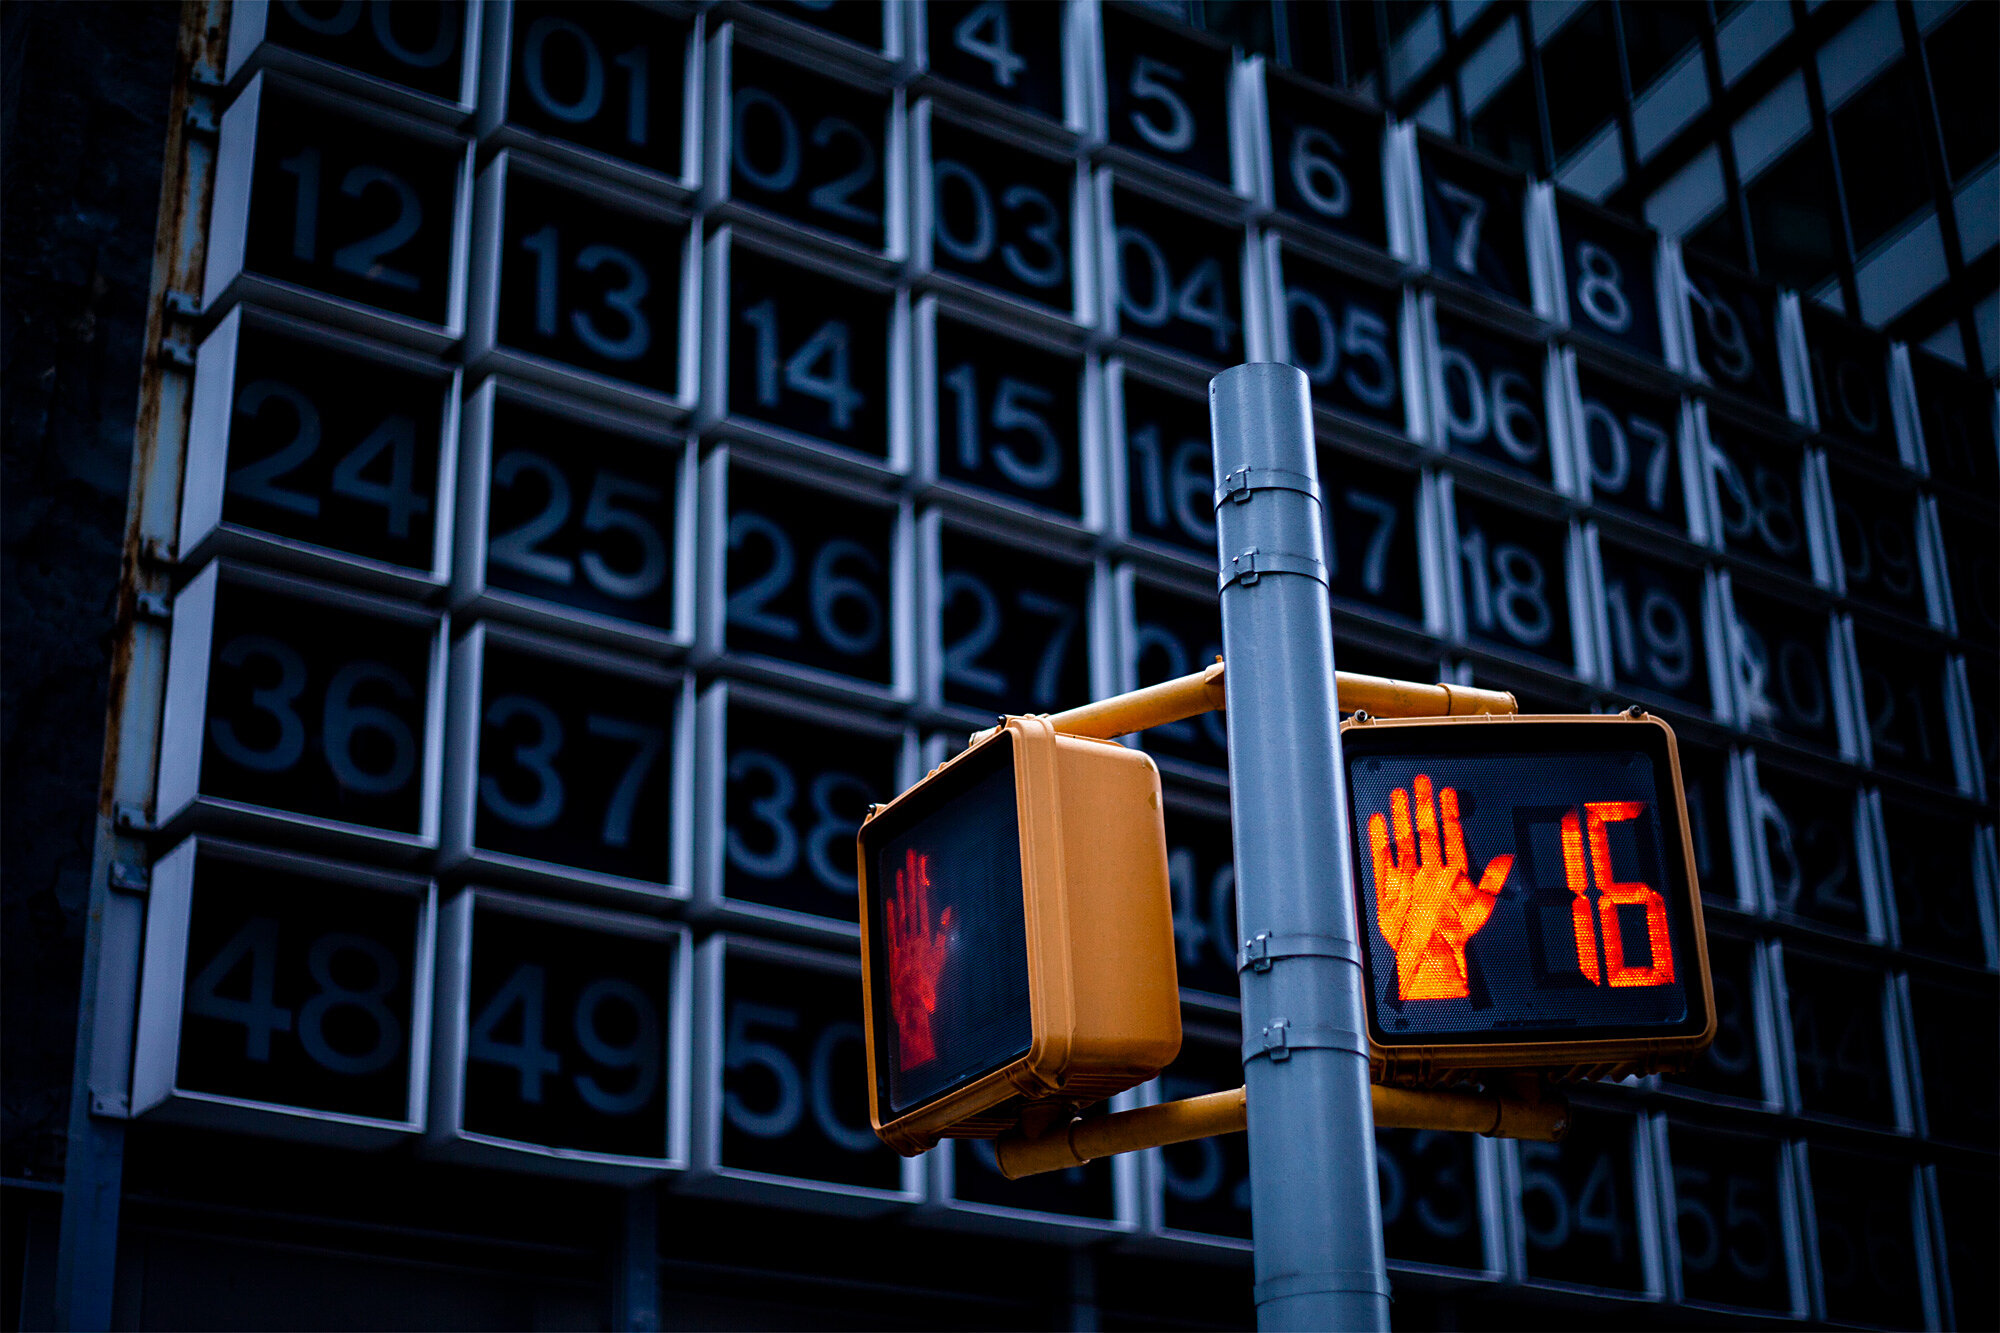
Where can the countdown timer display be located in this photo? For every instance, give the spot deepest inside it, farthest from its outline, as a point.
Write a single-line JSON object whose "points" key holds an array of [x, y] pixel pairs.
{"points": [[1526, 891]]}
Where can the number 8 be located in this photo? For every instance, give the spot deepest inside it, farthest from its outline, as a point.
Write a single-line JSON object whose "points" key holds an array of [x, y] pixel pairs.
{"points": [[1598, 290]]}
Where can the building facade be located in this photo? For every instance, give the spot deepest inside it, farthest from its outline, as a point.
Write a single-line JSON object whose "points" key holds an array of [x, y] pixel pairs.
{"points": [[583, 455]]}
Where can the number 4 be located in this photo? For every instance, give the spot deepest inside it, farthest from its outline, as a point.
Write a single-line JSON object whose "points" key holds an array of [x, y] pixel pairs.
{"points": [[984, 35]]}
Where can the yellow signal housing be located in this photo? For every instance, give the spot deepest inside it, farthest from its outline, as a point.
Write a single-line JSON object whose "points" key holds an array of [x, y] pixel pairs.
{"points": [[1017, 941]]}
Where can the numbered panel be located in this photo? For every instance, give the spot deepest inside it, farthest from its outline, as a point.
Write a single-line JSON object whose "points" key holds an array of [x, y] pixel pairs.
{"points": [[1871, 1247], [782, 788], [808, 584], [421, 58], [1513, 580], [1733, 1219], [1711, 786], [582, 288], [298, 706], [1434, 1214], [1955, 411], [563, 1039], [1008, 52], [613, 89], [781, 1072], [1171, 632], [340, 211], [592, 535], [1489, 397], [1884, 537], [1849, 365], [1661, 634], [1474, 222], [997, 220], [1971, 543], [1733, 334], [1162, 468], [1577, 1206], [1789, 677], [288, 463], [1201, 870], [1006, 631], [284, 995], [1934, 879], [1075, 1206], [1908, 699], [1349, 337], [1815, 838], [1633, 454], [1738, 1063], [1373, 538], [568, 766], [1764, 494], [872, 28], [805, 361], [1951, 1026], [1174, 281], [1841, 1020], [1167, 96], [792, 146], [1610, 281], [1325, 163], [1009, 425]]}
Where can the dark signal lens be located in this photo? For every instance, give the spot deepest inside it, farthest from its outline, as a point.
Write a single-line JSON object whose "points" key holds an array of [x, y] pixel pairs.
{"points": [[950, 994]]}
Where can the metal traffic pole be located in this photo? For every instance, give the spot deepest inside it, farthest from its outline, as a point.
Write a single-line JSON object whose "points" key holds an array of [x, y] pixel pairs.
{"points": [[1315, 1216]]}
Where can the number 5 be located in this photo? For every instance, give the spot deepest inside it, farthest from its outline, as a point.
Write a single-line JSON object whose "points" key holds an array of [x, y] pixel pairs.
{"points": [[1148, 84]]}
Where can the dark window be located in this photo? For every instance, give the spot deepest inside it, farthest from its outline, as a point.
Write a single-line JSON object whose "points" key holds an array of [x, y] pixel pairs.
{"points": [[1404, 13], [1581, 78], [1792, 221], [1248, 23], [1964, 51], [1505, 127], [1312, 45], [1360, 42], [1656, 33], [1877, 133], [1722, 237]]}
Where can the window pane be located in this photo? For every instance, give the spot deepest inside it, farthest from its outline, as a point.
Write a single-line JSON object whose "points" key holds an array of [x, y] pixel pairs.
{"points": [[1655, 35], [1878, 135], [1581, 75], [1791, 219], [1505, 126], [1964, 52]]}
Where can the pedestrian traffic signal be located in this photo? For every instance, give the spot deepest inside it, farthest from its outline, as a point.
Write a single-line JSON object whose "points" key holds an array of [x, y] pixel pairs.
{"points": [[1016, 936], [1527, 892]]}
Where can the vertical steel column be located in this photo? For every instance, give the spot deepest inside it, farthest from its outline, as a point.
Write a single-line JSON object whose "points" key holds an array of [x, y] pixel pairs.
{"points": [[1314, 1211]]}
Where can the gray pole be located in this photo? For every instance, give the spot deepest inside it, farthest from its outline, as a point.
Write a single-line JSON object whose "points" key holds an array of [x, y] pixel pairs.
{"points": [[1314, 1210]]}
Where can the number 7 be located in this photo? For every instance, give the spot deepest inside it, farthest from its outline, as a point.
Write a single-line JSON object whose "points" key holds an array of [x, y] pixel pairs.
{"points": [[1048, 671], [625, 797], [1465, 248]]}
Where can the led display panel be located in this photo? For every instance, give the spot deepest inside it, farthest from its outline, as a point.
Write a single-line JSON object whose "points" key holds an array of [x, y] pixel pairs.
{"points": [[1527, 894]]}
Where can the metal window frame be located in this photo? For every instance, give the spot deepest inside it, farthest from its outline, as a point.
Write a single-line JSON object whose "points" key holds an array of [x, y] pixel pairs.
{"points": [[494, 128], [203, 530], [227, 278], [484, 351], [446, 1138], [459, 851], [180, 804], [712, 649], [471, 594], [708, 1174], [712, 900], [155, 1087]]}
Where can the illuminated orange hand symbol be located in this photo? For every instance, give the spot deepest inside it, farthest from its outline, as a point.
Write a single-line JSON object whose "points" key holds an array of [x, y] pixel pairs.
{"points": [[1426, 904], [916, 958]]}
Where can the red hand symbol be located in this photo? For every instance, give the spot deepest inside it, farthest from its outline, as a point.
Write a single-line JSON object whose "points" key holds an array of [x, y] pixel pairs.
{"points": [[916, 959], [1426, 904]]}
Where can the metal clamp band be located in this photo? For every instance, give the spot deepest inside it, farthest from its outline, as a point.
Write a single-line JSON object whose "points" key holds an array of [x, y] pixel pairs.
{"points": [[1281, 1037], [1239, 484], [1324, 1282], [1261, 949], [1253, 564]]}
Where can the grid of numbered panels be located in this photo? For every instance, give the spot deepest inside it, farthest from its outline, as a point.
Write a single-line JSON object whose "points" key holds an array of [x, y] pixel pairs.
{"points": [[756, 394]]}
